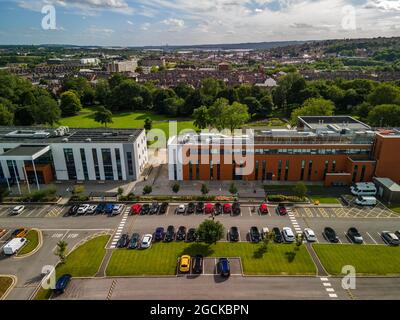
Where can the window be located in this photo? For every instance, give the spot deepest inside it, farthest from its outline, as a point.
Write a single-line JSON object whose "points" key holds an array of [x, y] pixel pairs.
{"points": [[130, 165], [264, 168], [175, 172], [218, 171], [69, 160], [279, 169], [303, 164], [96, 164], [326, 167], [118, 160], [355, 172], [190, 170], [363, 173], [309, 170], [256, 171], [287, 170], [84, 164], [12, 168], [197, 171], [107, 164], [333, 165]]}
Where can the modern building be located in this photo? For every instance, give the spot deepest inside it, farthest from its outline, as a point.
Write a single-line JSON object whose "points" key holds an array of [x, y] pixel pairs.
{"points": [[122, 66], [337, 150], [388, 190], [42, 155]]}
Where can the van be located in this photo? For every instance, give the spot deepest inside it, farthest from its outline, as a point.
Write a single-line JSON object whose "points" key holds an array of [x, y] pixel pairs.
{"points": [[13, 246], [363, 189], [366, 201]]}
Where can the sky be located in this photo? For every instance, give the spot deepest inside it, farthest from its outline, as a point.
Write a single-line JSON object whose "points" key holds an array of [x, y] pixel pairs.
{"points": [[191, 22]]}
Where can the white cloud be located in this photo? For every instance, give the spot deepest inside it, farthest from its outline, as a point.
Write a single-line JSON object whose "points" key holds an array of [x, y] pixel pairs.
{"points": [[100, 31], [174, 24], [129, 22], [145, 26], [384, 5]]}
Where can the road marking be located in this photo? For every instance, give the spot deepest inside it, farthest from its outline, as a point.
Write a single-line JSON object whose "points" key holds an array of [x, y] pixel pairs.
{"points": [[371, 238], [330, 290], [324, 279], [332, 295], [326, 284]]}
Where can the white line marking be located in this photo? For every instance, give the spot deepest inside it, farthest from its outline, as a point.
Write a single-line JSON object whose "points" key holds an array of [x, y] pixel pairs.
{"points": [[372, 238], [332, 295], [330, 290], [327, 284]]}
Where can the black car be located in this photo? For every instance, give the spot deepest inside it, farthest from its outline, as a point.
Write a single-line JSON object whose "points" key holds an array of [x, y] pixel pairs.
{"points": [[218, 208], [170, 234], [154, 208], [223, 267], [355, 236], [100, 208], [191, 235], [330, 235], [145, 209], [123, 241], [234, 234], [197, 264], [236, 208], [254, 234], [163, 207], [181, 233], [277, 235], [73, 210], [200, 207], [191, 208], [134, 242]]}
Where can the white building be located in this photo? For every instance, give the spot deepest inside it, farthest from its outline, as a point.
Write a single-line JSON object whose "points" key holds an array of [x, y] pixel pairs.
{"points": [[122, 66], [90, 61]]}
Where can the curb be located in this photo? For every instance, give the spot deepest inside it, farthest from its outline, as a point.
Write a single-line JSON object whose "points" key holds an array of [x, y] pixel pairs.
{"points": [[14, 282], [38, 247]]}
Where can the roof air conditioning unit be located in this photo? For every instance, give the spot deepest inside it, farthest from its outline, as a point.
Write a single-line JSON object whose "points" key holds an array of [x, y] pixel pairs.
{"points": [[65, 140], [88, 140]]}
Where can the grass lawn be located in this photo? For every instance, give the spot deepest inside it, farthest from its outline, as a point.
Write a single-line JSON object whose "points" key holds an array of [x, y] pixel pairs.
{"points": [[5, 283], [367, 259], [161, 259], [33, 241], [83, 262], [319, 193], [85, 119], [395, 208]]}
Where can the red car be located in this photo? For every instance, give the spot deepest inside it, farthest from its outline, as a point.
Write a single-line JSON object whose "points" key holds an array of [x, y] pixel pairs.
{"points": [[209, 208], [227, 208], [263, 208], [136, 208], [281, 210]]}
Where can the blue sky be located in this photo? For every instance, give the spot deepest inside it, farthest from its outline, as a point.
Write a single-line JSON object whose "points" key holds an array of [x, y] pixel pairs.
{"points": [[160, 22]]}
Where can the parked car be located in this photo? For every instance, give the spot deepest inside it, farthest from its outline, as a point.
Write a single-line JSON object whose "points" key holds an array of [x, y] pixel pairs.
{"points": [[263, 208], [309, 235], [218, 208], [146, 241], [281, 209], [19, 233], [123, 241], [355, 236], [264, 232], [108, 208], [181, 209], [145, 209], [91, 209], [83, 209], [170, 234], [100, 208], [191, 208], [254, 234], [233, 234], [14, 245], [3, 233], [191, 235], [181, 233], [159, 234], [236, 208], [330, 235], [154, 208], [163, 207], [366, 201], [197, 265], [62, 283], [17, 210], [227, 208], [209, 208], [277, 235], [136, 208], [223, 267], [390, 238], [73, 210], [117, 209], [288, 234], [184, 265], [134, 242], [200, 207], [397, 233]]}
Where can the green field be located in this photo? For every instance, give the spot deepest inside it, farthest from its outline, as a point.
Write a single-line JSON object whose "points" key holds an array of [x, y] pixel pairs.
{"points": [[161, 259], [5, 283], [84, 261], [395, 208], [85, 119], [367, 259], [33, 241]]}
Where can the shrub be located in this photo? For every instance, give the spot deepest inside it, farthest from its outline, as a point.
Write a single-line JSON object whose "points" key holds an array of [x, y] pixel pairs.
{"points": [[147, 189], [120, 191], [283, 198], [175, 188], [300, 189], [204, 189]]}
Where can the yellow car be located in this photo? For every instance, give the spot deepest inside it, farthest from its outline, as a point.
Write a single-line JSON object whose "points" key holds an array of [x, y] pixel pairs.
{"points": [[184, 265]]}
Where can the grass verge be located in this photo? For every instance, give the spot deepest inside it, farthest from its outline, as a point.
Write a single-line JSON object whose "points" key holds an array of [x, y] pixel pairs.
{"points": [[5, 283], [33, 242], [161, 259], [367, 259]]}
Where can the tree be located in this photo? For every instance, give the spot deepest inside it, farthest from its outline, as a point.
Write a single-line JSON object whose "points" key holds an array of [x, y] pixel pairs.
{"points": [[253, 105], [313, 107], [126, 96], [103, 116], [204, 189], [6, 116], [384, 93], [120, 191], [201, 117], [173, 105], [102, 91], [3, 193], [386, 115], [234, 116], [116, 80], [300, 189], [232, 188], [215, 113], [78, 189], [46, 111], [61, 251], [266, 105], [147, 189], [160, 100], [210, 231], [176, 187], [148, 123], [70, 104]]}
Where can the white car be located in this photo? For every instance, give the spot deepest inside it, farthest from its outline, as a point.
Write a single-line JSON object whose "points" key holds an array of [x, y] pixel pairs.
{"points": [[118, 209], [83, 208], [288, 234], [17, 210], [181, 208], [264, 232], [146, 241], [309, 234], [91, 209]]}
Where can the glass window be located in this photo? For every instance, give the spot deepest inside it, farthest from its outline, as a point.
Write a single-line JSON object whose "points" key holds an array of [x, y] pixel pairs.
{"points": [[130, 163], [69, 160], [107, 164], [118, 160], [96, 164], [84, 164]]}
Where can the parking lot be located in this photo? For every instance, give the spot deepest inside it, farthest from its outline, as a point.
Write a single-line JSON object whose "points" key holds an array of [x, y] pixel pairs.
{"points": [[210, 267], [34, 211]]}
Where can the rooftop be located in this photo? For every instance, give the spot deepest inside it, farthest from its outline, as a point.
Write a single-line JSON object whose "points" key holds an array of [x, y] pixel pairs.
{"points": [[332, 123], [389, 184]]}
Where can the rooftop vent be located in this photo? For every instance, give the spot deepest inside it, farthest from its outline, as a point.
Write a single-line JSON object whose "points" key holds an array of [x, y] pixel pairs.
{"points": [[31, 134], [65, 140], [88, 140]]}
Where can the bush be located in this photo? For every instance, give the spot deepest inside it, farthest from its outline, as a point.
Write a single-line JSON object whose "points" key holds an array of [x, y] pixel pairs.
{"points": [[233, 189], [175, 188], [147, 189], [78, 190], [283, 198], [120, 191], [204, 189], [300, 189], [129, 197]]}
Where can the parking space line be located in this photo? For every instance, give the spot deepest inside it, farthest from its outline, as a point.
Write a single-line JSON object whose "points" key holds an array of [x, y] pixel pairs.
{"points": [[371, 238]]}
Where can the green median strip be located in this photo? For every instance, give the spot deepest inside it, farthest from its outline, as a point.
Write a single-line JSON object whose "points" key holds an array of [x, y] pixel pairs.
{"points": [[5, 283], [32, 243], [161, 259], [367, 259]]}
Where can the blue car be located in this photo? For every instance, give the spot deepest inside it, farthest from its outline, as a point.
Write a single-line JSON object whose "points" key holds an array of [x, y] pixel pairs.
{"points": [[100, 208], [109, 209], [223, 267], [159, 234], [62, 283]]}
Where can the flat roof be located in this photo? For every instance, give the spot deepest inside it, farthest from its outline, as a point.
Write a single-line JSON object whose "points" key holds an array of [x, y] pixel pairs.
{"points": [[25, 152], [389, 184], [342, 122]]}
